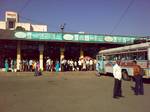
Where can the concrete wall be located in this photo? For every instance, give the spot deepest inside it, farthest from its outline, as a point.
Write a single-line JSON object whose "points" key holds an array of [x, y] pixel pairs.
{"points": [[27, 26], [2, 25], [42, 28], [11, 15]]}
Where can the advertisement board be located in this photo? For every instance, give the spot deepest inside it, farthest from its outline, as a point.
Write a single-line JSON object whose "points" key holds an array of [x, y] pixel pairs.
{"points": [[74, 37]]}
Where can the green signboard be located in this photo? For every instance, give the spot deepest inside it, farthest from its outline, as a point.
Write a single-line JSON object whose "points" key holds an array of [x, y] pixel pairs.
{"points": [[74, 37], [83, 38], [38, 36]]}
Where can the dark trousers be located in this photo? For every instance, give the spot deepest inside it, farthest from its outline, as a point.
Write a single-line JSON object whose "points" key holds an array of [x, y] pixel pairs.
{"points": [[80, 67], [117, 88], [31, 68], [138, 85], [62, 67], [37, 72]]}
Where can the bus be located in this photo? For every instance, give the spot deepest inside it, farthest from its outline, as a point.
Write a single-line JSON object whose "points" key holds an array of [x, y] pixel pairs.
{"points": [[126, 54]]}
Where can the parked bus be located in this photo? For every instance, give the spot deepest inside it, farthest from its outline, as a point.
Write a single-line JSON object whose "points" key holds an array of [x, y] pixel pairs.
{"points": [[126, 54]]}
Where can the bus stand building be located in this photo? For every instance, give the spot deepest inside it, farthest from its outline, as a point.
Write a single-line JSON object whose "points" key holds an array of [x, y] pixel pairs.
{"points": [[37, 43]]}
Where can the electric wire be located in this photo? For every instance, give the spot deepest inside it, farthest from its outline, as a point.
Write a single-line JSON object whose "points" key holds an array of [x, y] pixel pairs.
{"points": [[122, 16]]}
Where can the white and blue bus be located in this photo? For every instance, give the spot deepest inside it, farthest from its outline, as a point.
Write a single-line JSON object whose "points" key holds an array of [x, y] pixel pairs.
{"points": [[126, 54]]}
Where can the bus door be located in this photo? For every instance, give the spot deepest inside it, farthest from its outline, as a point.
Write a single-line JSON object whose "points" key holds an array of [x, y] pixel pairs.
{"points": [[100, 64]]}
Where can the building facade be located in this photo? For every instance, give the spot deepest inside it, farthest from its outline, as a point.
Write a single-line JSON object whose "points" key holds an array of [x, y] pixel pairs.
{"points": [[12, 22], [27, 45], [35, 43]]}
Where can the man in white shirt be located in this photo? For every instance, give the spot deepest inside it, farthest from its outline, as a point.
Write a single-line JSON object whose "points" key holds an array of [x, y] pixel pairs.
{"points": [[79, 64], [118, 76], [91, 64], [48, 64]]}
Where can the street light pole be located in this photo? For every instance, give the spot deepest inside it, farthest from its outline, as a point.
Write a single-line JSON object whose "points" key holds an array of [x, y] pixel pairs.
{"points": [[62, 27]]}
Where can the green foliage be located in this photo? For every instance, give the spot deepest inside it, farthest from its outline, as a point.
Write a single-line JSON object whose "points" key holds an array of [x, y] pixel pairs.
{"points": [[20, 28]]}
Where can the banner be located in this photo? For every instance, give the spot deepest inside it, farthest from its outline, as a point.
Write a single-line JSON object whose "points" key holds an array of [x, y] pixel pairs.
{"points": [[74, 37]]}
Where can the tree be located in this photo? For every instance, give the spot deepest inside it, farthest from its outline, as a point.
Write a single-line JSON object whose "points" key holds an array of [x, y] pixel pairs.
{"points": [[20, 28]]}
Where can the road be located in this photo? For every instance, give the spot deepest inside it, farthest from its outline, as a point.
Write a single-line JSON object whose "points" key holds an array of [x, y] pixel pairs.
{"points": [[67, 92]]}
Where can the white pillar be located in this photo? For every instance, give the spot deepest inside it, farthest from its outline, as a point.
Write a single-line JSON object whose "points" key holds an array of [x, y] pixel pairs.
{"points": [[41, 50], [62, 50], [18, 54], [81, 53], [148, 54]]}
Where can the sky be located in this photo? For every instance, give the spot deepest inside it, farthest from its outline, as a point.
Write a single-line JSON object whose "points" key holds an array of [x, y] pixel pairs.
{"points": [[115, 17]]}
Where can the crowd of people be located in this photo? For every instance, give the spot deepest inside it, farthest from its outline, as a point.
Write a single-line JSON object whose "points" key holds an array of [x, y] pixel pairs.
{"points": [[50, 65], [71, 65], [79, 65], [10, 65], [24, 65]]}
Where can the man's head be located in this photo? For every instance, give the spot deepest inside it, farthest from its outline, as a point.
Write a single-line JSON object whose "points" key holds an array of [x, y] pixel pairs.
{"points": [[134, 62], [118, 62]]}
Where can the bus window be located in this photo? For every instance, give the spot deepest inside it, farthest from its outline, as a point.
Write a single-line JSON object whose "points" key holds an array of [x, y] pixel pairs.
{"points": [[142, 56]]}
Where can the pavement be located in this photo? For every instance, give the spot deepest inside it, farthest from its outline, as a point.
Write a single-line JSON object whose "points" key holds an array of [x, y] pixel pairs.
{"points": [[67, 92]]}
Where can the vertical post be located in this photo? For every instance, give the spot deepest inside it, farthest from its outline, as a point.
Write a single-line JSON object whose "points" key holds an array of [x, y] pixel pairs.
{"points": [[41, 50], [62, 53], [61, 56], [18, 54], [81, 53], [62, 27], [148, 55]]}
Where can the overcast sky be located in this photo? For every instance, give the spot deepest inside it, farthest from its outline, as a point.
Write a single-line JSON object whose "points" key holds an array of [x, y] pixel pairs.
{"points": [[117, 17]]}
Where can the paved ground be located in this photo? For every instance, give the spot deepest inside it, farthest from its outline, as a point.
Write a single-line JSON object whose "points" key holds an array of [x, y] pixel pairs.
{"points": [[67, 92]]}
